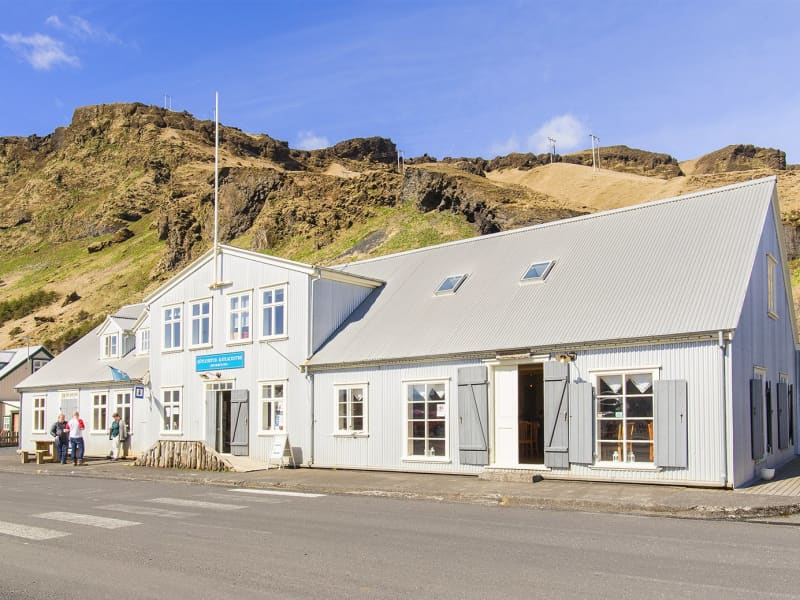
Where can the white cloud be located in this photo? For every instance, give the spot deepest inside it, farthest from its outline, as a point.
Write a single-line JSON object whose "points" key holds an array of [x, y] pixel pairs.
{"points": [[81, 28], [567, 130], [507, 147], [41, 51], [308, 140]]}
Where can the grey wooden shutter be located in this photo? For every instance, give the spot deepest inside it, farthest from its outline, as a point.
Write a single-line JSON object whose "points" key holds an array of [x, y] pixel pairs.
{"points": [[757, 418], [556, 412], [670, 423], [783, 415], [240, 423], [473, 416], [581, 423]]}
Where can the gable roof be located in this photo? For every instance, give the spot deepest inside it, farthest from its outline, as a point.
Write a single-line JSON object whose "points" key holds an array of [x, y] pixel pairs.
{"points": [[124, 319], [11, 359], [673, 267], [311, 270], [80, 364]]}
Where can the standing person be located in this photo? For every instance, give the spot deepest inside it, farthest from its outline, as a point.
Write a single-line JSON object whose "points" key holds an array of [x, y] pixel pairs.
{"points": [[76, 427], [60, 433], [117, 433]]}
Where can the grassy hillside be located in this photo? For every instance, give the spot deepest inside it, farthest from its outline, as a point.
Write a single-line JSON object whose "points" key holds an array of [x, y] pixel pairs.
{"points": [[99, 213]]}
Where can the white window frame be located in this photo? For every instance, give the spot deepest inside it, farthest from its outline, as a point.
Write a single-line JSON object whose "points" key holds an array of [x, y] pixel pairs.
{"points": [[349, 430], [143, 335], [124, 406], [172, 322], [409, 439], [39, 413], [172, 399], [100, 419], [110, 345], [452, 288], [271, 306], [625, 444], [38, 363], [238, 312], [772, 263], [209, 317], [275, 402]]}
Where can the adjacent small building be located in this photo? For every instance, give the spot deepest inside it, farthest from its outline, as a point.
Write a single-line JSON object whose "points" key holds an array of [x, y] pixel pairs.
{"points": [[15, 365], [654, 343]]}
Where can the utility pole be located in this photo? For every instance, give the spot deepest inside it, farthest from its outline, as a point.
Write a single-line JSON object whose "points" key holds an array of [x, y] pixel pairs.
{"points": [[167, 97], [595, 143], [553, 146]]}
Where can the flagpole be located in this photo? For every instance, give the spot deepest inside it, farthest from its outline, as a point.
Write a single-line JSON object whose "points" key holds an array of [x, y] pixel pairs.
{"points": [[216, 187]]}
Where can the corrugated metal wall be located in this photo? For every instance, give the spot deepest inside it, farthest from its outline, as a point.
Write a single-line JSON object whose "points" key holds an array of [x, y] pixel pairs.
{"points": [[263, 361], [764, 342], [700, 364], [333, 303], [385, 445]]}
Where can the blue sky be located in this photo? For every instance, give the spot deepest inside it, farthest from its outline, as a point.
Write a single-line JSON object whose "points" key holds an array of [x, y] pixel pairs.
{"points": [[450, 78]]}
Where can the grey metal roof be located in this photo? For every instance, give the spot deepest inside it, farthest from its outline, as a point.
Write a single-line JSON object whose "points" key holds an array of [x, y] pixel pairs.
{"points": [[665, 268], [80, 364]]}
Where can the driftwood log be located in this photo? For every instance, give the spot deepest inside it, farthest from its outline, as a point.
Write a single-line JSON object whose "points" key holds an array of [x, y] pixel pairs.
{"points": [[170, 454]]}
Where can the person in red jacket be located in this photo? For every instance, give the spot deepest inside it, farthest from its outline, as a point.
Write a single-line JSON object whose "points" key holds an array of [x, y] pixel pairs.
{"points": [[76, 427]]}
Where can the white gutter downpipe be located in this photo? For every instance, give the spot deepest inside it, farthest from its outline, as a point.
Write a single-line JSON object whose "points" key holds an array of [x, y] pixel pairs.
{"points": [[310, 376], [723, 346]]}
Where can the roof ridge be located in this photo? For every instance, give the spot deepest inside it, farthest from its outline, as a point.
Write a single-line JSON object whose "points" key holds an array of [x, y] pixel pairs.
{"points": [[561, 222]]}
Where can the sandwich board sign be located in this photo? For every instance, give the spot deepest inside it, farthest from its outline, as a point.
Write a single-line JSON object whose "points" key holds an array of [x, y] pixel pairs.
{"points": [[281, 450]]}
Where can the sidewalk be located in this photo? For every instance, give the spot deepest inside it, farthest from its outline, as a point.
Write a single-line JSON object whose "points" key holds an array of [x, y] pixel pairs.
{"points": [[758, 503]]}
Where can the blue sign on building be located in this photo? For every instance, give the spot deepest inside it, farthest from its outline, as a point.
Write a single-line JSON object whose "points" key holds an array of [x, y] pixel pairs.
{"points": [[218, 362]]}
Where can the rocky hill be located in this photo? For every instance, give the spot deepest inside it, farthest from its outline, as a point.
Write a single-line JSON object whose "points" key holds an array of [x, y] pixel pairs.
{"points": [[100, 212]]}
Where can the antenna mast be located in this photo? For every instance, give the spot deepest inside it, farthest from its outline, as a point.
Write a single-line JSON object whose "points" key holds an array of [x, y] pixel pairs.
{"points": [[553, 144]]}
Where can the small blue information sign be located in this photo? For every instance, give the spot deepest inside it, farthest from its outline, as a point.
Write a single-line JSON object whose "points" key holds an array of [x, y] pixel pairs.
{"points": [[138, 391], [219, 362]]}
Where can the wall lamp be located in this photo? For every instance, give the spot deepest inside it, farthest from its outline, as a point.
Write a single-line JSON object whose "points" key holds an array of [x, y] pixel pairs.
{"points": [[566, 357]]}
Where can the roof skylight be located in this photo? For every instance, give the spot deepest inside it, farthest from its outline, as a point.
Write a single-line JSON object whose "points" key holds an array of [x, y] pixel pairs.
{"points": [[450, 284], [537, 271]]}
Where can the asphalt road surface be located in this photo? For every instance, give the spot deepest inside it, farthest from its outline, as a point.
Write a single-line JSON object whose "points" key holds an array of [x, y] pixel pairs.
{"points": [[80, 538]]}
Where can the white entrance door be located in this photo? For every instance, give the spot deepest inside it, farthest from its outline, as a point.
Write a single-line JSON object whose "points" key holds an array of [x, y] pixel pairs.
{"points": [[505, 410]]}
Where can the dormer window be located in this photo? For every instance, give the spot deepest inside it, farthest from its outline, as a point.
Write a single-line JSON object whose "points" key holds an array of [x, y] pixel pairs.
{"points": [[537, 271], [450, 285], [111, 346]]}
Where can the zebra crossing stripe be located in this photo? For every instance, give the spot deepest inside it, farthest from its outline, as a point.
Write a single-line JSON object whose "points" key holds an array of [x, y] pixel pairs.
{"points": [[91, 520], [29, 533], [197, 504], [277, 493], [151, 511]]}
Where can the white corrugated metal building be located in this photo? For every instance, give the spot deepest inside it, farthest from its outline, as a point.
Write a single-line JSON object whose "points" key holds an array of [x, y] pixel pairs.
{"points": [[651, 343]]}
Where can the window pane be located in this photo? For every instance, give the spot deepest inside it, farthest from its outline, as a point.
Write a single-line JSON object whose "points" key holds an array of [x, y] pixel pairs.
{"points": [[279, 320], [437, 448], [436, 429], [639, 383], [278, 390], [640, 407], [418, 429], [358, 423], [417, 448], [607, 451], [267, 319], [416, 392], [279, 295], [358, 409], [437, 392], [640, 430], [610, 384], [609, 407], [342, 409], [610, 430], [343, 423], [416, 410]]}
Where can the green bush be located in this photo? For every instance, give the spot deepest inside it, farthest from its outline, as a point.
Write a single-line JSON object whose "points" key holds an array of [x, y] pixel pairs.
{"points": [[22, 307]]}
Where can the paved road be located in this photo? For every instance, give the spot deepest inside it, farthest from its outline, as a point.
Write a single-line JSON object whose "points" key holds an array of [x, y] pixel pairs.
{"points": [[64, 537]]}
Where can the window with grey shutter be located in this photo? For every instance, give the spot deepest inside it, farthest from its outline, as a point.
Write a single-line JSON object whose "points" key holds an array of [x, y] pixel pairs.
{"points": [[783, 415], [670, 417], [581, 423], [757, 418], [556, 413], [473, 416], [240, 423]]}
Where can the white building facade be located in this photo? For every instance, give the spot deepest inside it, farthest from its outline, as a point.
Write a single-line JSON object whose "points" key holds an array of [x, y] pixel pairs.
{"points": [[654, 343]]}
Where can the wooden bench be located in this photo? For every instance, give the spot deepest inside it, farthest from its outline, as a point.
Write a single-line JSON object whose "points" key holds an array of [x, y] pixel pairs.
{"points": [[24, 454]]}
